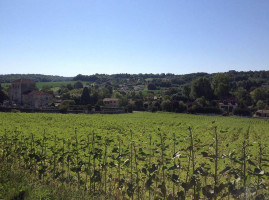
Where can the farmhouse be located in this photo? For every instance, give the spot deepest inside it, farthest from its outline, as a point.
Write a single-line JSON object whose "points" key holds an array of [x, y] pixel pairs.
{"points": [[37, 99], [265, 86], [111, 102], [23, 92], [228, 105], [262, 113]]}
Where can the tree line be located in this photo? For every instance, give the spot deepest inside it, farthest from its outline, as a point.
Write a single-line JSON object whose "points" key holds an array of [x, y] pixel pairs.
{"points": [[194, 93]]}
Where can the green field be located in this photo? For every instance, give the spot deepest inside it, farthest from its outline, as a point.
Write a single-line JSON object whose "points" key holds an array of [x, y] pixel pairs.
{"points": [[39, 85], [139, 156]]}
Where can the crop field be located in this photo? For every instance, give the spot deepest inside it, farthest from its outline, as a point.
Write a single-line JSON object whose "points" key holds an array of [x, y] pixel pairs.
{"points": [[139, 155], [39, 85]]}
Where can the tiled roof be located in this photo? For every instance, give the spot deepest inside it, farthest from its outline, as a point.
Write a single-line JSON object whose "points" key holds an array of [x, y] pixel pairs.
{"points": [[265, 86], [132, 102], [228, 104], [263, 111], [111, 99]]}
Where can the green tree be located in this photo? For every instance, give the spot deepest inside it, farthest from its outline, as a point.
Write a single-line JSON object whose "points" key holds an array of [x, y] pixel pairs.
{"points": [[85, 96], [139, 104], [78, 85], [166, 105], [201, 87], [260, 105], [94, 97], [109, 88], [152, 86], [243, 97], [182, 107], [65, 105], [201, 101], [48, 89], [260, 94], [123, 101], [69, 87], [3, 95], [221, 85], [186, 91], [106, 93]]}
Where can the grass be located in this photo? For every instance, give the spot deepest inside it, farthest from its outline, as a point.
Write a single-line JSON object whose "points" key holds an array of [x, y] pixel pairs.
{"points": [[39, 85], [146, 91]]}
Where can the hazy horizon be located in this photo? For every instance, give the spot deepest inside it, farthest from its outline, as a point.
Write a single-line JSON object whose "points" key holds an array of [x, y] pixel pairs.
{"points": [[124, 73], [116, 36]]}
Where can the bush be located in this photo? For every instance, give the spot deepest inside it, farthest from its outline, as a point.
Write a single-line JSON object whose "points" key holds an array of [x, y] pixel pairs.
{"points": [[181, 107], [97, 108], [209, 110], [89, 106], [15, 111], [242, 112], [78, 85], [151, 86], [63, 108], [154, 109], [129, 108], [68, 102]]}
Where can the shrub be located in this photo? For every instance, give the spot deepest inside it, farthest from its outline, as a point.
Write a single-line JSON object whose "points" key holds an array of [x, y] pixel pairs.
{"points": [[209, 110], [63, 108], [242, 112], [129, 108], [15, 111], [97, 108]]}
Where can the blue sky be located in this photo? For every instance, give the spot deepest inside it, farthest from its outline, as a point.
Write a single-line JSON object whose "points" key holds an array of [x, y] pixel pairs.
{"points": [[68, 37]]}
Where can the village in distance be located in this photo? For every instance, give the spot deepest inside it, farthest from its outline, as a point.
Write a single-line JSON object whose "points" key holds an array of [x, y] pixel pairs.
{"points": [[230, 93]]}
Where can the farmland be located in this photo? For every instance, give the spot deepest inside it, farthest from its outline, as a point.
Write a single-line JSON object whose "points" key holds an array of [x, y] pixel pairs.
{"points": [[138, 156], [39, 85]]}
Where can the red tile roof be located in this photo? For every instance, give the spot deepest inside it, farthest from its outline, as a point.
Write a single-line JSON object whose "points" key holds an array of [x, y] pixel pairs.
{"points": [[111, 99], [263, 111]]}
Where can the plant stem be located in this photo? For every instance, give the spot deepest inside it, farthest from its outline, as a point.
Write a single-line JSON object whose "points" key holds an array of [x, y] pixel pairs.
{"points": [[193, 163], [216, 164]]}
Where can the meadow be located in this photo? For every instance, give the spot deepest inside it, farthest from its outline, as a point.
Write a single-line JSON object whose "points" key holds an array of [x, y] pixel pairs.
{"points": [[40, 85], [135, 156]]}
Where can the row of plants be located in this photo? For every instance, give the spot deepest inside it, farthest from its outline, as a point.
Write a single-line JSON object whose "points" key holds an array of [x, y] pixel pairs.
{"points": [[156, 165]]}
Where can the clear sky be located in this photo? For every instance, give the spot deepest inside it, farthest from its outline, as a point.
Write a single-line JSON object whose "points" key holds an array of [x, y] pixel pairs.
{"points": [[68, 37]]}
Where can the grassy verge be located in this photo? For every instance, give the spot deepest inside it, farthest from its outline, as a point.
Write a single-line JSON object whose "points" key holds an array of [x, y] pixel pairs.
{"points": [[18, 184]]}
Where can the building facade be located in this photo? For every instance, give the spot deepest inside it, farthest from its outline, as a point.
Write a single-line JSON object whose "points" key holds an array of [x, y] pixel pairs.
{"points": [[37, 99], [111, 102], [23, 92], [18, 88]]}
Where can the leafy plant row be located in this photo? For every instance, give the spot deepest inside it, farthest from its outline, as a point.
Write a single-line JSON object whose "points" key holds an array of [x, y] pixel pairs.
{"points": [[156, 166]]}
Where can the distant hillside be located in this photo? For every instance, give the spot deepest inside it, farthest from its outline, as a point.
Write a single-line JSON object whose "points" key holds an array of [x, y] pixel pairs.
{"points": [[245, 79], [36, 77], [248, 79]]}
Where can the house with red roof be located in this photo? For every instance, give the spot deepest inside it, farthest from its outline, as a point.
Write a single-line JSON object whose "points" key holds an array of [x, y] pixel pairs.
{"points": [[23, 92], [37, 99], [111, 102]]}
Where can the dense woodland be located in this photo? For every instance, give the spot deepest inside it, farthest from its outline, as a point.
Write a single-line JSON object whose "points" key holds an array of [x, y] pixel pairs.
{"points": [[194, 93]]}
